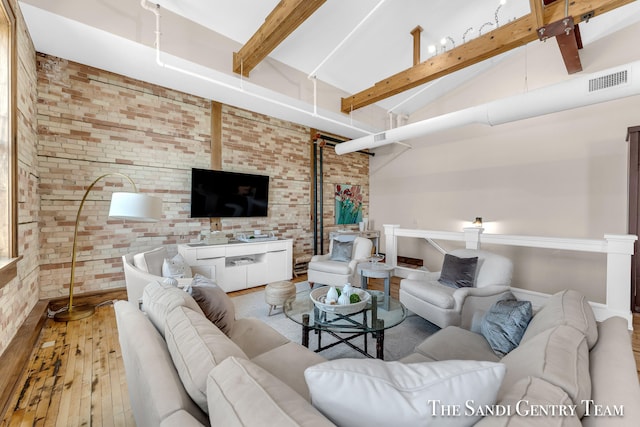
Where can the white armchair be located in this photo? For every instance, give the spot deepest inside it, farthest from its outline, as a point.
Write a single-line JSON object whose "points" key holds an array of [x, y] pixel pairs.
{"points": [[339, 266], [443, 305], [147, 269]]}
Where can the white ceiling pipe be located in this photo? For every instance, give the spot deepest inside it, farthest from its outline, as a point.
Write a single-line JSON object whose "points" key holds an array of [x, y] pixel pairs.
{"points": [[435, 124], [608, 85]]}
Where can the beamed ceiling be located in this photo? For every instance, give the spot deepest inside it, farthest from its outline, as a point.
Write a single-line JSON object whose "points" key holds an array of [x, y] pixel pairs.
{"points": [[331, 64]]}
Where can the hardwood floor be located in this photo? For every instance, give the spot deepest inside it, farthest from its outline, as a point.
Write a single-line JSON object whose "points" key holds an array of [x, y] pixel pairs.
{"points": [[75, 376]]}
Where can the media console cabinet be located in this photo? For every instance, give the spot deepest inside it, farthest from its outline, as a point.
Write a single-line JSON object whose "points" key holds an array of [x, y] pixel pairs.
{"points": [[239, 265]]}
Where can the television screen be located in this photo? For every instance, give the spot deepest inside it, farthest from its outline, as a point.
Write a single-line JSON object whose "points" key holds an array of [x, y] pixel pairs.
{"points": [[228, 194]]}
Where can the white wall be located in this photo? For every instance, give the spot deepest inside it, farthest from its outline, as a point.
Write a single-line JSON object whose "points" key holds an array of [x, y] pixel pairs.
{"points": [[562, 174]]}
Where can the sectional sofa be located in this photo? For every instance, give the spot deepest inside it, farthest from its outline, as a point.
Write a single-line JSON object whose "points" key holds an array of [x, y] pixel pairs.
{"points": [[183, 370]]}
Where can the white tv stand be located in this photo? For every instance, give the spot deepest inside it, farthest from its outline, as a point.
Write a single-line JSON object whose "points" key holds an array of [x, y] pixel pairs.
{"points": [[238, 265]]}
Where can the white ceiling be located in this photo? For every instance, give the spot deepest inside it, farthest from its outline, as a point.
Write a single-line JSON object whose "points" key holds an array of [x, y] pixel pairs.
{"points": [[348, 52]]}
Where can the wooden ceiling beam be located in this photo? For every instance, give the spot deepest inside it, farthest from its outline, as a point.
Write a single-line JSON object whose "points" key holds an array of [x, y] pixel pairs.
{"points": [[537, 11], [278, 25], [507, 37]]}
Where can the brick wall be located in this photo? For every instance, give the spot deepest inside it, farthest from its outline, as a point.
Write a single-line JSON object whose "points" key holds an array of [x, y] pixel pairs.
{"points": [[91, 122], [18, 297]]}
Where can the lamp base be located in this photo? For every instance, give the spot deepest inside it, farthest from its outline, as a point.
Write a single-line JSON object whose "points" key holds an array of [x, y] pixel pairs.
{"points": [[76, 313]]}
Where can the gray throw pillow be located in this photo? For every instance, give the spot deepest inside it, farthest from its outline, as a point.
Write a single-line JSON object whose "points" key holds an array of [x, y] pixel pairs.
{"points": [[214, 303], [458, 272], [505, 323], [341, 251]]}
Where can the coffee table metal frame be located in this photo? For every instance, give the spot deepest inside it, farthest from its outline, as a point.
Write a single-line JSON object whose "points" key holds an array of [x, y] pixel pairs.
{"points": [[345, 327]]}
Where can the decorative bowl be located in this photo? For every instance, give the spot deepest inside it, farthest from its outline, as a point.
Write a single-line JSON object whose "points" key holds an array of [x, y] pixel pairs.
{"points": [[376, 258], [318, 297]]}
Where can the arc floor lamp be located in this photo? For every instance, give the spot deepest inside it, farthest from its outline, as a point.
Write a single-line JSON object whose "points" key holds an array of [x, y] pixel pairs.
{"points": [[131, 206]]}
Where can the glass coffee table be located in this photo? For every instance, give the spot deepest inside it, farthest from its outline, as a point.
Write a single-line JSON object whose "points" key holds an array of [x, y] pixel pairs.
{"points": [[377, 316]]}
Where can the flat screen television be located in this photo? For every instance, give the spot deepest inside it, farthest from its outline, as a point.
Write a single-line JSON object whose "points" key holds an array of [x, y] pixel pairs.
{"points": [[228, 194]]}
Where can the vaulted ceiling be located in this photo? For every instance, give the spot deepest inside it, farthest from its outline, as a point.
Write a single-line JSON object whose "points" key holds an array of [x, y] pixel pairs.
{"points": [[308, 60]]}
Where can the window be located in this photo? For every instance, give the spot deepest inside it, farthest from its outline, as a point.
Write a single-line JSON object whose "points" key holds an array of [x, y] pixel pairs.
{"points": [[8, 177]]}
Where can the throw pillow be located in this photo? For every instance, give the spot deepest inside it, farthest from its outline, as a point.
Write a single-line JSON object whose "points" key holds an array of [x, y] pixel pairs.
{"points": [[341, 251], [176, 268], [458, 272], [505, 323], [356, 392], [214, 302], [151, 261], [196, 347]]}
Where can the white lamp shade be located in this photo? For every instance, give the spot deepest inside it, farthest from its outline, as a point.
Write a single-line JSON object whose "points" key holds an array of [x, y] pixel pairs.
{"points": [[135, 207]]}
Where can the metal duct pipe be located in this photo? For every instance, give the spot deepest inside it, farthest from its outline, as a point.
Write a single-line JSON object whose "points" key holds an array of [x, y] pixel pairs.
{"points": [[608, 85]]}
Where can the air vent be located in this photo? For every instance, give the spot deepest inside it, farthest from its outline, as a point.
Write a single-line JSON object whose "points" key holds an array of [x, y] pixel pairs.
{"points": [[379, 136], [610, 80]]}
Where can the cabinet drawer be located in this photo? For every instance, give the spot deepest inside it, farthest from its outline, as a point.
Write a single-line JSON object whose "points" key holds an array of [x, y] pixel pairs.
{"points": [[278, 246], [249, 249], [209, 252]]}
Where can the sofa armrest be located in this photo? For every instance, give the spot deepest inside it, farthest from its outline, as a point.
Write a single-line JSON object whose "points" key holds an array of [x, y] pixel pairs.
{"points": [[181, 418], [470, 300], [325, 257], [354, 262], [614, 380]]}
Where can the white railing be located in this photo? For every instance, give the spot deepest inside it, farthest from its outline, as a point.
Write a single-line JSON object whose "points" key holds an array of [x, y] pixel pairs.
{"points": [[617, 247]]}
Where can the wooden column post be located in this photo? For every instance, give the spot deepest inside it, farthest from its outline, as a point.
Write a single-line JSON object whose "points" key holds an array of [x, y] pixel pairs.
{"points": [[416, 44], [216, 150]]}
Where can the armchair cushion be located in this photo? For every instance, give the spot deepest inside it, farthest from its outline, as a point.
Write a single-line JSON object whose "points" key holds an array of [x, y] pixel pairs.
{"points": [[432, 292], [151, 261], [458, 272], [341, 251], [334, 267]]}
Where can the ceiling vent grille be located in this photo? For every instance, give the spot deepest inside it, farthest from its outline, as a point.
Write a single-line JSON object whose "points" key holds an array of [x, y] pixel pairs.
{"points": [[610, 80], [379, 137]]}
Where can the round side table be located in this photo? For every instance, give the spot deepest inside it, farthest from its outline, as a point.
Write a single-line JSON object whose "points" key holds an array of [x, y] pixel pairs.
{"points": [[376, 270]]}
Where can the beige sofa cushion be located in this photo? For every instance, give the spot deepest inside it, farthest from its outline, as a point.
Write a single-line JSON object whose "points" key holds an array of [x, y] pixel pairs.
{"points": [[242, 394], [567, 307], [559, 356], [356, 392], [196, 346], [446, 345], [288, 362], [255, 337], [521, 403], [158, 299], [151, 261]]}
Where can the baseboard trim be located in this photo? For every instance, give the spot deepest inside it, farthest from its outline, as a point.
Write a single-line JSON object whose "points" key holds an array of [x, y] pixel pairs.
{"points": [[16, 357]]}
